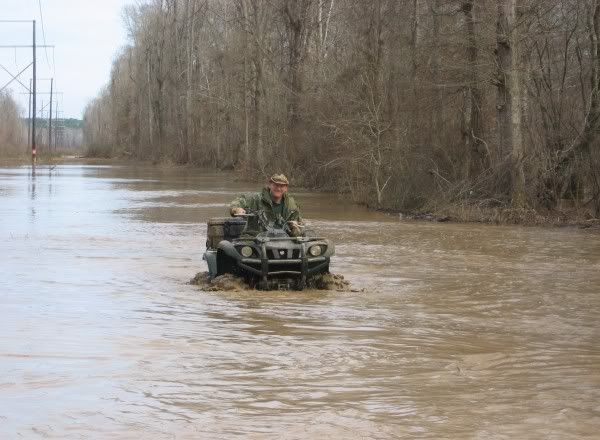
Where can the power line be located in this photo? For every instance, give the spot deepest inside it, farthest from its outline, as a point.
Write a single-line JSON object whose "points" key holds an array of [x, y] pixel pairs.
{"points": [[44, 34], [21, 46]]}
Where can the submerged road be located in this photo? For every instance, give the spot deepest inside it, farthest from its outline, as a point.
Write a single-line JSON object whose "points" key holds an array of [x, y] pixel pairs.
{"points": [[461, 332]]}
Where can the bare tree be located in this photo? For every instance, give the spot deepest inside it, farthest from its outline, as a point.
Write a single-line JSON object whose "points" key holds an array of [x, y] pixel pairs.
{"points": [[509, 95], [404, 104], [476, 159]]}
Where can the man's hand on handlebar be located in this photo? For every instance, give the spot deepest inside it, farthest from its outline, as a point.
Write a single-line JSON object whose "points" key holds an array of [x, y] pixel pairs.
{"points": [[237, 211], [295, 228]]}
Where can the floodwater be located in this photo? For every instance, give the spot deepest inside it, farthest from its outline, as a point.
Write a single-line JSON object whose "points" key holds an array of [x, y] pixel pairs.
{"points": [[461, 332]]}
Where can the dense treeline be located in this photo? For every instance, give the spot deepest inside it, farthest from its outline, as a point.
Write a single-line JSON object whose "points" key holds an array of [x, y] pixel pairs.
{"points": [[401, 103], [65, 122], [11, 141]]}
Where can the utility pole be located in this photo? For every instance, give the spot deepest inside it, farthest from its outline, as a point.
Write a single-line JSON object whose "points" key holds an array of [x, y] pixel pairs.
{"points": [[50, 118], [55, 124], [29, 117], [33, 146]]}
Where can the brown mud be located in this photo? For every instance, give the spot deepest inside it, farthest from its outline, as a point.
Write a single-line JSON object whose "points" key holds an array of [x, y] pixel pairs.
{"points": [[230, 283], [225, 282], [329, 281]]}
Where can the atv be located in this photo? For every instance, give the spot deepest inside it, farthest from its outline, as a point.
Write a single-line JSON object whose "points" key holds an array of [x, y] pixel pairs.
{"points": [[271, 259]]}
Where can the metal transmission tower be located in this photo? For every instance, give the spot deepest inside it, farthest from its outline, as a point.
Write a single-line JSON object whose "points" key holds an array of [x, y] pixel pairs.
{"points": [[50, 118], [53, 114], [32, 89]]}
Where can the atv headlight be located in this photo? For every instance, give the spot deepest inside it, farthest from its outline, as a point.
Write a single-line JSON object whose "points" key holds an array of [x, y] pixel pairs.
{"points": [[315, 250], [246, 251]]}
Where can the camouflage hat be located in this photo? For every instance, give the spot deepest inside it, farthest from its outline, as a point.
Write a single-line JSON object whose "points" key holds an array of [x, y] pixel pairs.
{"points": [[280, 179]]}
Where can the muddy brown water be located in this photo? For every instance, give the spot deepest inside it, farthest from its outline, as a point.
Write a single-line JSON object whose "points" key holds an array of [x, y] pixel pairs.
{"points": [[461, 332]]}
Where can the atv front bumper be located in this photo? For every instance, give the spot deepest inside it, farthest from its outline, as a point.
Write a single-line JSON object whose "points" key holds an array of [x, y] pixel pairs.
{"points": [[296, 267], [273, 261]]}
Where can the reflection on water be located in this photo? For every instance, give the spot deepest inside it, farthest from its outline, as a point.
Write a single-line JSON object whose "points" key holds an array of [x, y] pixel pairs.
{"points": [[31, 188], [464, 331]]}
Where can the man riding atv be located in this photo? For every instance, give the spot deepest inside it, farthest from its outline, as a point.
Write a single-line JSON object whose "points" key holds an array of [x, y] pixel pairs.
{"points": [[265, 241], [278, 206]]}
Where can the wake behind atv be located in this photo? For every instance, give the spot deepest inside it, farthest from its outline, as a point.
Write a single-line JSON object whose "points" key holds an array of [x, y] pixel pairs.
{"points": [[272, 259]]}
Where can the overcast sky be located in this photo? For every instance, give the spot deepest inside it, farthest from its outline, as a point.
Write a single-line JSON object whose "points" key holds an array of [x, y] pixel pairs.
{"points": [[87, 35]]}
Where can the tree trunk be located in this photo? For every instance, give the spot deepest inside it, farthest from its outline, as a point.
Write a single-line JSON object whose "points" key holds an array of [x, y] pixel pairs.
{"points": [[323, 29], [189, 92], [472, 118], [245, 10], [591, 127], [414, 33], [296, 14], [254, 21], [592, 120], [508, 99], [437, 111], [150, 112]]}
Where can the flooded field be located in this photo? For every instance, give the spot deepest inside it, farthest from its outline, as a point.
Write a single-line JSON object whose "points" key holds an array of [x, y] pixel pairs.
{"points": [[453, 331]]}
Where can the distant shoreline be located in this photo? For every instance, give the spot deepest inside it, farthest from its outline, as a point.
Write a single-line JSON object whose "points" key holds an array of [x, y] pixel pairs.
{"points": [[566, 217]]}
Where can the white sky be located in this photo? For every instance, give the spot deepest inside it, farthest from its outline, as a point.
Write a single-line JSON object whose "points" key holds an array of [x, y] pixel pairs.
{"points": [[87, 34]]}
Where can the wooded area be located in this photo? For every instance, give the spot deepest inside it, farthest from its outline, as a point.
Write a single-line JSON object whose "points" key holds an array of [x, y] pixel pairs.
{"points": [[11, 138], [404, 104]]}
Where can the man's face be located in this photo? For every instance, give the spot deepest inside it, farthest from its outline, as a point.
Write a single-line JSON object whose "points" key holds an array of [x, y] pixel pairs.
{"points": [[277, 190]]}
